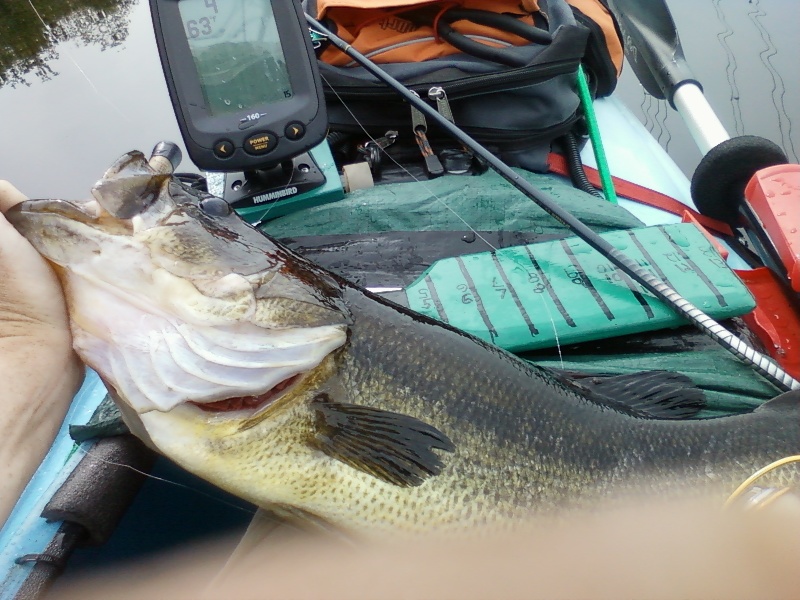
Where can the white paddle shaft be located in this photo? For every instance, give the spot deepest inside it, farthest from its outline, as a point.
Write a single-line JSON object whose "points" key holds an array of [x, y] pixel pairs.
{"points": [[703, 124]]}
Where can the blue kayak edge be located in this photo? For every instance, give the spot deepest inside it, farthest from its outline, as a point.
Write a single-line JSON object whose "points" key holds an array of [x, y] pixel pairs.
{"points": [[25, 532]]}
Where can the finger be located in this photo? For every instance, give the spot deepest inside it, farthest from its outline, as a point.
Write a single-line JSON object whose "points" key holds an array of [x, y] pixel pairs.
{"points": [[28, 286], [9, 195]]}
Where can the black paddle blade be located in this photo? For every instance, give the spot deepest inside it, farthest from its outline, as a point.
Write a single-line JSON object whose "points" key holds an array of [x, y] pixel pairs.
{"points": [[652, 45]]}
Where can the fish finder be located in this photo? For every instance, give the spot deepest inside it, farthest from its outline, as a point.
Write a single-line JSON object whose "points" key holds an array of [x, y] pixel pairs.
{"points": [[243, 80]]}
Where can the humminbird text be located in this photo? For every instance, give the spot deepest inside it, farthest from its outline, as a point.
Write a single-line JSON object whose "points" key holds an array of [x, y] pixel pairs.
{"points": [[277, 195]]}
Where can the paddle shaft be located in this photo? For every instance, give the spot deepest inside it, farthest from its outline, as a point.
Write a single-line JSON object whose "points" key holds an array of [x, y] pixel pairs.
{"points": [[705, 127], [761, 363]]}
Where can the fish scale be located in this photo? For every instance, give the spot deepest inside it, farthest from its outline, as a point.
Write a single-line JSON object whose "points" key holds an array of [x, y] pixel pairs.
{"points": [[522, 412]]}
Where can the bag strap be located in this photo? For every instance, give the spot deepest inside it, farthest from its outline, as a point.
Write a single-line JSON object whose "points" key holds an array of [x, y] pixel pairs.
{"points": [[498, 21], [558, 164]]}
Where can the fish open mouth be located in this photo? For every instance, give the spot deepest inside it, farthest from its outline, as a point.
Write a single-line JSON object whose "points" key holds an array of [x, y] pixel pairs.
{"points": [[252, 403]]}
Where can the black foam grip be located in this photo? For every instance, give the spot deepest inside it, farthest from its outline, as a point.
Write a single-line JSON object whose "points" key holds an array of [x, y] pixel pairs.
{"points": [[170, 151], [718, 182], [99, 490]]}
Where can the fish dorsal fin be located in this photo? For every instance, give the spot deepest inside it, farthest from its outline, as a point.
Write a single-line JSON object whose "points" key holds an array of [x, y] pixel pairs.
{"points": [[645, 394], [393, 447], [786, 401]]}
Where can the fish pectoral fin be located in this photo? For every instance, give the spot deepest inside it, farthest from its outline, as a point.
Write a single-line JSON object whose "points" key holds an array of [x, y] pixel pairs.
{"points": [[393, 447], [646, 394]]}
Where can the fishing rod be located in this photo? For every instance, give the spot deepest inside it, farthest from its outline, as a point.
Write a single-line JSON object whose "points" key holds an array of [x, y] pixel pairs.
{"points": [[759, 362]]}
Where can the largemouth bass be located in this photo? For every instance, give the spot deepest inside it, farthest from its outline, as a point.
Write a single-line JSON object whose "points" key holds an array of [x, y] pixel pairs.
{"points": [[294, 389]]}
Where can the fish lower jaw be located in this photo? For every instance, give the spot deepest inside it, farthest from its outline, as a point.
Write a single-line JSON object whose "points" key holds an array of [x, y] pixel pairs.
{"points": [[251, 404]]}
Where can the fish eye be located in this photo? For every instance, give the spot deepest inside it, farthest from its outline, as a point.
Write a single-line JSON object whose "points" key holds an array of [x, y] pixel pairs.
{"points": [[215, 207]]}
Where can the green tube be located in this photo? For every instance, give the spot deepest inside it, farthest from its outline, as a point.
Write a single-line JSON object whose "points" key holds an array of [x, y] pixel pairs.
{"points": [[594, 137]]}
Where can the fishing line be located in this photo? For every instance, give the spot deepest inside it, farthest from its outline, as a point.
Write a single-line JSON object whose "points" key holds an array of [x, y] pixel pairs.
{"points": [[657, 121], [77, 66], [649, 121], [667, 131], [664, 136], [435, 196], [642, 105], [555, 329], [272, 204], [758, 361], [87, 452], [421, 182]]}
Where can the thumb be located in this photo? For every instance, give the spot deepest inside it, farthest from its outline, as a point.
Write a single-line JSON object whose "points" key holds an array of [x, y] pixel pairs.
{"points": [[30, 293]]}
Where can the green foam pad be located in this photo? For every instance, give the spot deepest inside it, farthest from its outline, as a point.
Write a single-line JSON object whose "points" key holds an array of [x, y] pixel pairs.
{"points": [[564, 292]]}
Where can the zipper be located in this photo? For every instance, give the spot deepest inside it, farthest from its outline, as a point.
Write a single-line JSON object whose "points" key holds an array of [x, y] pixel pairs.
{"points": [[420, 128], [508, 140], [470, 85], [373, 150], [383, 142], [438, 94], [458, 89]]}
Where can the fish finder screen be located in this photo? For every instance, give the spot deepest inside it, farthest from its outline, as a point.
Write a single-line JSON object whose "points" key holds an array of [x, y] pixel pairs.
{"points": [[237, 52]]}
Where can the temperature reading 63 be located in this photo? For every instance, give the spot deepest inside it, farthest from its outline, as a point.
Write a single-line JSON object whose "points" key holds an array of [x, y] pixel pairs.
{"points": [[202, 26]]}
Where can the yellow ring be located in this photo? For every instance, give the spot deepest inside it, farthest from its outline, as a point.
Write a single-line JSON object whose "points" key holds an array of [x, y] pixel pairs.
{"points": [[757, 475]]}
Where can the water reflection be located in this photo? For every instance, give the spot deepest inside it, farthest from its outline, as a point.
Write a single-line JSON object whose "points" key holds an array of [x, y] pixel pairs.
{"points": [[30, 33], [92, 89], [744, 54]]}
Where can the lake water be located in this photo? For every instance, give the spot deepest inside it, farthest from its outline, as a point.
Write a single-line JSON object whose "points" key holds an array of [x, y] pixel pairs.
{"points": [[744, 53], [82, 101]]}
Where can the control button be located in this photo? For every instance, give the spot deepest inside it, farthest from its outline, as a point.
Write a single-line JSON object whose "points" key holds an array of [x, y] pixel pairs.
{"points": [[295, 130], [261, 143], [223, 149]]}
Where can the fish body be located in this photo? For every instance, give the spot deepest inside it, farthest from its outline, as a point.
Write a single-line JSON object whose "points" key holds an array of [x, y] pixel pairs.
{"points": [[294, 389]]}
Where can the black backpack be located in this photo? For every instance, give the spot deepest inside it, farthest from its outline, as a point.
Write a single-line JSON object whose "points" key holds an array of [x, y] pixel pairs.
{"points": [[514, 98]]}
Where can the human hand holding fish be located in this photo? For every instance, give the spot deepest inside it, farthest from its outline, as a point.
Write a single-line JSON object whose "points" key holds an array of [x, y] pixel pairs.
{"points": [[651, 550], [38, 369]]}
